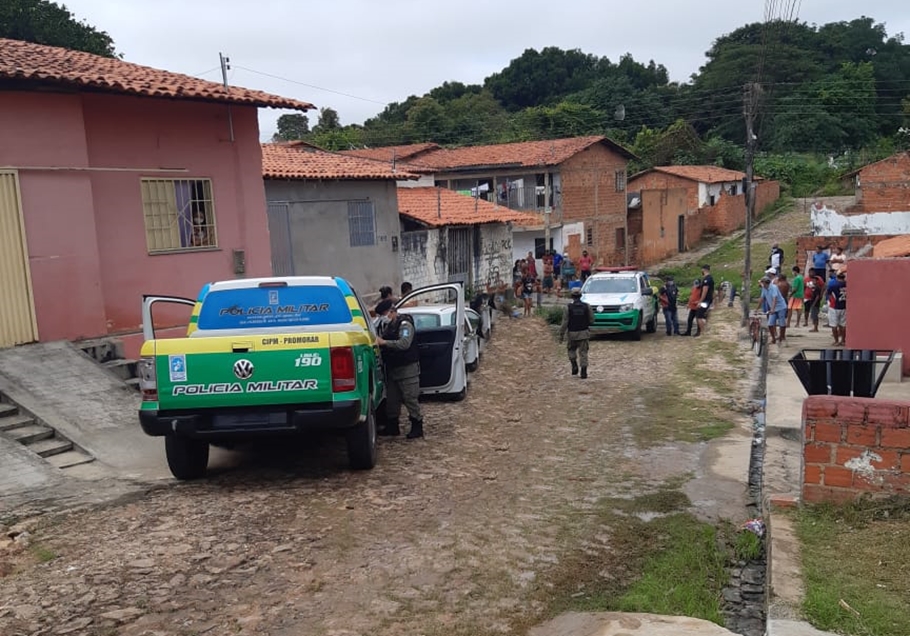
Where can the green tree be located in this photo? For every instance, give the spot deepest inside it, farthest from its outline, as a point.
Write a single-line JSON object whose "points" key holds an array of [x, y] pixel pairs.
{"points": [[542, 78], [427, 121], [328, 121], [44, 22], [292, 127]]}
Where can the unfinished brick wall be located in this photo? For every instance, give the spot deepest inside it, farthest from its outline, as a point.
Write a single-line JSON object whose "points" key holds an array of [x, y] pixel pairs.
{"points": [[854, 446], [884, 186], [662, 181], [590, 195], [729, 213]]}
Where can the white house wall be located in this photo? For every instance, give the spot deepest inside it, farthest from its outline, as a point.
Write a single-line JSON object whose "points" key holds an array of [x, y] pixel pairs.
{"points": [[827, 222], [425, 181], [523, 242], [495, 264]]}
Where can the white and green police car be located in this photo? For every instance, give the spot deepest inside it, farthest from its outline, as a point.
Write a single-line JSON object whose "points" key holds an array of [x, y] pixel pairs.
{"points": [[623, 301]]}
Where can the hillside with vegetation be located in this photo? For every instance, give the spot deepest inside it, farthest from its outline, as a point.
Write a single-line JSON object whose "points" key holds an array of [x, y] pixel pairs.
{"points": [[833, 97]]}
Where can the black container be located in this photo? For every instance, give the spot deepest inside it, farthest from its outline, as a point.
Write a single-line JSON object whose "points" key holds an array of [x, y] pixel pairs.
{"points": [[856, 372]]}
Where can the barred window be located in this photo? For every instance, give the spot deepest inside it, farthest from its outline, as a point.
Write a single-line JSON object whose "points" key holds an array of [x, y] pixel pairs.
{"points": [[620, 180], [179, 214], [589, 237], [361, 223]]}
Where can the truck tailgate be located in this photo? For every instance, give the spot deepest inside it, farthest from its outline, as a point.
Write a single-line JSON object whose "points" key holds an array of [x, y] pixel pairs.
{"points": [[243, 371]]}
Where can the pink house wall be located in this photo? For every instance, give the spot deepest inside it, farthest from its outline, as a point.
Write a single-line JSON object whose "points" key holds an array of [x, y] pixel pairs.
{"points": [[876, 313], [85, 230], [41, 129]]}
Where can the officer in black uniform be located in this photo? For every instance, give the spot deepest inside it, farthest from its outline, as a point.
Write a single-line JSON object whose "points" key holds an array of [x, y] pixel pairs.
{"points": [[576, 320], [402, 363]]}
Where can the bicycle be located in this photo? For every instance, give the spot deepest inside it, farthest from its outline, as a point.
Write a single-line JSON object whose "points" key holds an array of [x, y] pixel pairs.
{"points": [[758, 330]]}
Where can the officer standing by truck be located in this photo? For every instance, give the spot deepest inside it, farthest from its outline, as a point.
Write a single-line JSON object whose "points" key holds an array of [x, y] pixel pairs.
{"points": [[402, 363], [576, 320]]}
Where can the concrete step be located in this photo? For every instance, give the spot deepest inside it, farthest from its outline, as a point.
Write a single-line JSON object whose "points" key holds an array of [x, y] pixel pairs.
{"points": [[13, 422], [30, 433], [70, 458], [52, 446], [8, 409], [102, 349], [123, 369]]}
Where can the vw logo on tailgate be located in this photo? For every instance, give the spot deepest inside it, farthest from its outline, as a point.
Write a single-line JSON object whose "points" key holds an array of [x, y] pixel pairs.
{"points": [[243, 369]]}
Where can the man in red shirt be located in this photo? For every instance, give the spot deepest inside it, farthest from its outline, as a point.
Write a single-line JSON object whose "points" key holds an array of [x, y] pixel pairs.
{"points": [[584, 265]]}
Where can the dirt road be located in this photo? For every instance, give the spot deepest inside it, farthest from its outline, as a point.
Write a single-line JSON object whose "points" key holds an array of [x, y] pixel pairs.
{"points": [[469, 531]]}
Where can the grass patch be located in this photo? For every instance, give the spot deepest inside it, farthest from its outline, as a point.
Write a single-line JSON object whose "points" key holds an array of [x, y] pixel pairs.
{"points": [[42, 554], [747, 545], [858, 555], [671, 565], [676, 415], [552, 315]]}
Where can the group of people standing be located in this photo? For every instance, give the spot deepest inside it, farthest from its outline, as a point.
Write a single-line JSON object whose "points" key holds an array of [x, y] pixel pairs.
{"points": [[701, 298], [804, 297], [559, 272]]}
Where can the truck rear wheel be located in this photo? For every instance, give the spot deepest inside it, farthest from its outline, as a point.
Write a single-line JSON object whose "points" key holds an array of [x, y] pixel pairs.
{"points": [[187, 458], [362, 441]]}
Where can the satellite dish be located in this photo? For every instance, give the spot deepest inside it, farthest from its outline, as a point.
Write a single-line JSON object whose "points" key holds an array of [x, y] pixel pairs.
{"points": [[620, 112]]}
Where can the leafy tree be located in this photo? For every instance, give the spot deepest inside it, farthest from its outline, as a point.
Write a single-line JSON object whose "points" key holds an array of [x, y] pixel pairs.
{"points": [[328, 120], [426, 121], [44, 22], [541, 78], [292, 127]]}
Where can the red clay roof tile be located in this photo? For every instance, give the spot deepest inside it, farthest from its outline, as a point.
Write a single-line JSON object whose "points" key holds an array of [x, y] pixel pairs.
{"points": [[36, 62], [302, 161], [437, 207], [390, 153], [525, 154], [702, 174]]}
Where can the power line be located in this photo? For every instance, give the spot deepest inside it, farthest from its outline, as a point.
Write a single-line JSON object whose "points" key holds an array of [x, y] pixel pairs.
{"points": [[319, 88]]}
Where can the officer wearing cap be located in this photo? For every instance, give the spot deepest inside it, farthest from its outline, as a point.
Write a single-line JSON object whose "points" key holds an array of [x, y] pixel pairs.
{"points": [[576, 320], [402, 363]]}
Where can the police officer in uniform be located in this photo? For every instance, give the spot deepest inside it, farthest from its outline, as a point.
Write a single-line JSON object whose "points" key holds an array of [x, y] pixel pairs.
{"points": [[576, 319], [402, 363]]}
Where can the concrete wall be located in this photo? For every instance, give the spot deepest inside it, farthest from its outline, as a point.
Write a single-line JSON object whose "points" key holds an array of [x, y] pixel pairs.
{"points": [[588, 182], [876, 315], [853, 447], [320, 233], [827, 222], [884, 186], [424, 261], [86, 230], [661, 210]]}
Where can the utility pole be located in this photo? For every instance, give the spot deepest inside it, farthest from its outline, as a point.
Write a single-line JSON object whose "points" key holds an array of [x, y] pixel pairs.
{"points": [[546, 211], [225, 67], [751, 94]]}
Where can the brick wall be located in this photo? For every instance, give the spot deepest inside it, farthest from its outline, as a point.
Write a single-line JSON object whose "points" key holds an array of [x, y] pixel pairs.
{"points": [[662, 181], [589, 195], [661, 210], [854, 446], [884, 186], [853, 245], [729, 213]]}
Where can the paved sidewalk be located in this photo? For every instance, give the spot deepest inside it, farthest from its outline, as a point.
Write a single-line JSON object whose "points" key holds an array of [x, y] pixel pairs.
{"points": [[783, 476]]}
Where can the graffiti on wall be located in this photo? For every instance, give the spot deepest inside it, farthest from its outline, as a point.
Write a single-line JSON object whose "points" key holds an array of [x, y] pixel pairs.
{"points": [[496, 255]]}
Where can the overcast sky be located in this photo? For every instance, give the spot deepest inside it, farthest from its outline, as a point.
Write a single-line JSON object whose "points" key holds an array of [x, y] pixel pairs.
{"points": [[380, 51]]}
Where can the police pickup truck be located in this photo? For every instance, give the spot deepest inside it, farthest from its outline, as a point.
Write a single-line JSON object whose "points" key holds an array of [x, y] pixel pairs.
{"points": [[262, 357], [623, 301]]}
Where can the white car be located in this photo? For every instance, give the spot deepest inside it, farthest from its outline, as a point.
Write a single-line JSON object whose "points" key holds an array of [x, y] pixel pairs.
{"points": [[434, 316], [623, 301], [442, 336]]}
